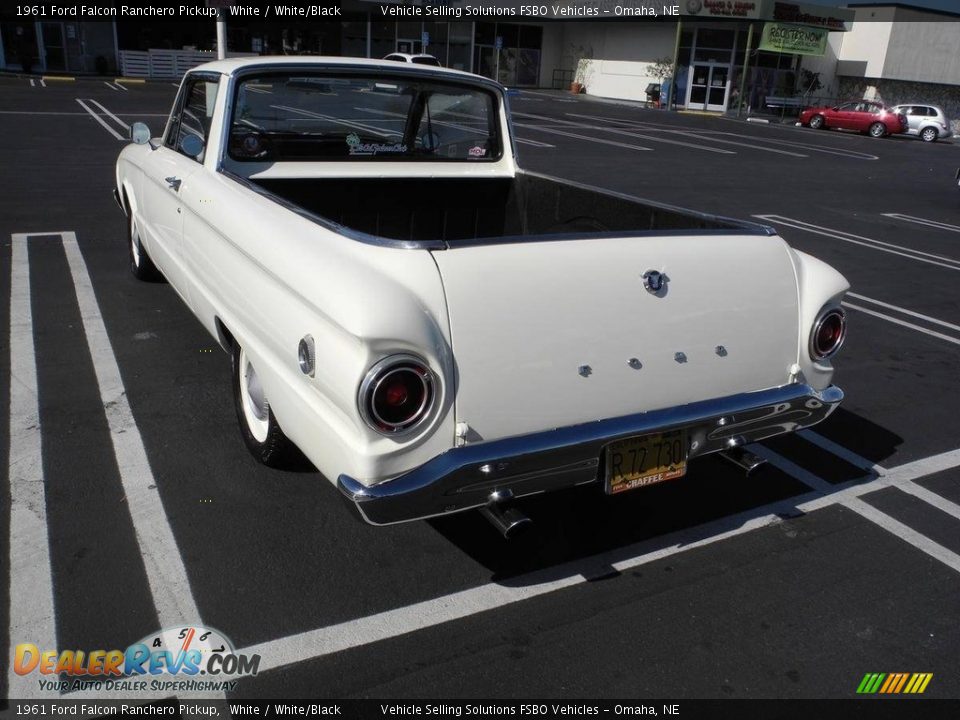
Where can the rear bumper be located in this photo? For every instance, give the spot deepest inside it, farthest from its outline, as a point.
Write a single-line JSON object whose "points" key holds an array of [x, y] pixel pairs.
{"points": [[466, 477]]}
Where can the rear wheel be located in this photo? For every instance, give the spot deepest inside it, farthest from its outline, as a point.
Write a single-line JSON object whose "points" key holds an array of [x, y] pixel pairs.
{"points": [[816, 122], [141, 265], [878, 129], [259, 428], [928, 134]]}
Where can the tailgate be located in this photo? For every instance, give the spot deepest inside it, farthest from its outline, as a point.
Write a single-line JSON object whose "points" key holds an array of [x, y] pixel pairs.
{"points": [[527, 319]]}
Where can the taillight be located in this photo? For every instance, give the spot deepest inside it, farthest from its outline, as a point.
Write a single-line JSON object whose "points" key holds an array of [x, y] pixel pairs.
{"points": [[397, 394], [828, 334]]}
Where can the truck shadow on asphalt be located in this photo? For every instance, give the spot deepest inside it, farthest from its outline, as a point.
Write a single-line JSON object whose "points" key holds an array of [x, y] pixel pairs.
{"points": [[573, 525]]}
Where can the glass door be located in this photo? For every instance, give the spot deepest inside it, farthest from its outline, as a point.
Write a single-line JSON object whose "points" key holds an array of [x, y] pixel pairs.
{"points": [[709, 86], [53, 46], [699, 81], [719, 84]]}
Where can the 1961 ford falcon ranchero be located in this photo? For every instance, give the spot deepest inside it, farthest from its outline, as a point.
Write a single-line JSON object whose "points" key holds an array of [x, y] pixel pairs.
{"points": [[437, 330]]}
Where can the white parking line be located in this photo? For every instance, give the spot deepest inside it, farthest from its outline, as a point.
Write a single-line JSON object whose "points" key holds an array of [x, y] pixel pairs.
{"points": [[923, 221], [430, 613], [109, 114], [31, 581], [111, 86], [905, 533], [32, 83], [96, 117], [903, 323], [535, 143], [166, 572], [628, 133], [600, 141], [904, 311], [939, 260], [841, 452], [43, 83]]}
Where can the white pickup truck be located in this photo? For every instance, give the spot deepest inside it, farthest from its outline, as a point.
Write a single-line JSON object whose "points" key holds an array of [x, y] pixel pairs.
{"points": [[437, 330]]}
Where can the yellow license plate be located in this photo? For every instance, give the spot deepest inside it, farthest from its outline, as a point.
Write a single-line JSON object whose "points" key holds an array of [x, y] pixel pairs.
{"points": [[645, 460]]}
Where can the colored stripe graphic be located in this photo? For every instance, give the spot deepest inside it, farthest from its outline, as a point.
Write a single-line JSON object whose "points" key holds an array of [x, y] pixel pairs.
{"points": [[894, 683]]}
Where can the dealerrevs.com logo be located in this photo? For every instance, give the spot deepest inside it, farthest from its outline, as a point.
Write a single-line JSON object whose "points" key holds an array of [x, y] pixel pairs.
{"points": [[182, 659]]}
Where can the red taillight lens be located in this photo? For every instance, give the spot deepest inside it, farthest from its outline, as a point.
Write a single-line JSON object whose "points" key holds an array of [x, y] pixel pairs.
{"points": [[397, 394], [828, 334]]}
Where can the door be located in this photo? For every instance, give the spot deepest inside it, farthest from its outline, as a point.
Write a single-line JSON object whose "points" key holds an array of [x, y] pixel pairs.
{"points": [[166, 178], [709, 85], [53, 47]]}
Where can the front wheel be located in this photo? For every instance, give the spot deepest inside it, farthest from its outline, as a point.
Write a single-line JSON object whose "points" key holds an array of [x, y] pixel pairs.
{"points": [[928, 134], [877, 130], [259, 428], [141, 265], [816, 122]]}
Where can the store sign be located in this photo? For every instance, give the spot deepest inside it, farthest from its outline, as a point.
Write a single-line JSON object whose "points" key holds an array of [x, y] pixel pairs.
{"points": [[794, 39], [742, 9], [828, 17]]}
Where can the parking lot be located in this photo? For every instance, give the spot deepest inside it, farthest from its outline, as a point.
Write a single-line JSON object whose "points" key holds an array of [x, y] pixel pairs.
{"points": [[132, 504]]}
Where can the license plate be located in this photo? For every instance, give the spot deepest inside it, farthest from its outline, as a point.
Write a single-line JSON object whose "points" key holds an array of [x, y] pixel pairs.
{"points": [[645, 460]]}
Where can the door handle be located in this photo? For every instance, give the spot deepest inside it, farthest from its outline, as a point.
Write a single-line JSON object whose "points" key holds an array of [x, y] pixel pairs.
{"points": [[173, 182]]}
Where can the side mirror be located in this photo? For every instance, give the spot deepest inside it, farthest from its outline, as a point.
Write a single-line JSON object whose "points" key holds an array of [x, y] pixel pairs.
{"points": [[139, 133], [192, 146]]}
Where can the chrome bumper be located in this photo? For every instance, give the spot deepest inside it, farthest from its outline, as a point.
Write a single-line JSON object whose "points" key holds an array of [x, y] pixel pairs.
{"points": [[465, 477]]}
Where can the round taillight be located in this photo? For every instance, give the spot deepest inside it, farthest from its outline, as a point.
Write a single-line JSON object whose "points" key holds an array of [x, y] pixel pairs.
{"points": [[828, 334], [397, 394]]}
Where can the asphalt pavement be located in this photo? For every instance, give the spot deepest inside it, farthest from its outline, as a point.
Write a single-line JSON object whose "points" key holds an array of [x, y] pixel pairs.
{"points": [[137, 506]]}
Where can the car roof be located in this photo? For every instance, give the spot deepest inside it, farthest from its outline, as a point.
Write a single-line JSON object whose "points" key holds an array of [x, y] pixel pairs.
{"points": [[231, 66]]}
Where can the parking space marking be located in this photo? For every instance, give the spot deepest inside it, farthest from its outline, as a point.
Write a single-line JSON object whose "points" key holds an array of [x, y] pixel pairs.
{"points": [[112, 86], [939, 260], [43, 83], [711, 134], [162, 560], [923, 221], [904, 311], [318, 643], [841, 452], [902, 323], [109, 114], [32, 83], [96, 117], [535, 143], [905, 533], [628, 133], [31, 580], [576, 136]]}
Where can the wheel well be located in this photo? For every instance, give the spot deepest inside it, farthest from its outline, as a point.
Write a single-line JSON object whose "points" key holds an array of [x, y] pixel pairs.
{"points": [[224, 336]]}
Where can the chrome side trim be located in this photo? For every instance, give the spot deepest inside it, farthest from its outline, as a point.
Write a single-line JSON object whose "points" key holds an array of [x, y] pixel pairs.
{"points": [[463, 478]]}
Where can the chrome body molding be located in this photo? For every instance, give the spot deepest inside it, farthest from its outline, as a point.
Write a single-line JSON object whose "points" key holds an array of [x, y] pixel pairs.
{"points": [[466, 477]]}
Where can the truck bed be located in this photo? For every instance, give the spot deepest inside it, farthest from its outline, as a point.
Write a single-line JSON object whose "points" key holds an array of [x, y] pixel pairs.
{"points": [[461, 210]]}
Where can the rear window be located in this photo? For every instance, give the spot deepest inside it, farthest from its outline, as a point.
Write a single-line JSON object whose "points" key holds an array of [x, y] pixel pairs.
{"points": [[314, 117]]}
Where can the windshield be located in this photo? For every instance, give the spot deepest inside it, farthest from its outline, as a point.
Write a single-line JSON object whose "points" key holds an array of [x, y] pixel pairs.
{"points": [[302, 117]]}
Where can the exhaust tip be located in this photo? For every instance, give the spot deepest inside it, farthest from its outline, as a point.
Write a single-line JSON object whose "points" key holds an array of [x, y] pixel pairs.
{"points": [[508, 521], [743, 459]]}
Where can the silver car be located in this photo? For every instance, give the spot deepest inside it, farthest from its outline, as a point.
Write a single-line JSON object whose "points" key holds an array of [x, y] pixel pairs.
{"points": [[928, 122]]}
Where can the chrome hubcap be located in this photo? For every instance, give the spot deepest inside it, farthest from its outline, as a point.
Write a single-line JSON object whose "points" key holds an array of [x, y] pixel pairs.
{"points": [[256, 409]]}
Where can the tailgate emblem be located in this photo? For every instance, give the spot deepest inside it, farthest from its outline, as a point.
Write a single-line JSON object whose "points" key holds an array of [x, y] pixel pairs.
{"points": [[654, 281]]}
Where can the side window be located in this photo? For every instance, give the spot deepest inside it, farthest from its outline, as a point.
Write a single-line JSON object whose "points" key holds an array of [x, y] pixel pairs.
{"points": [[195, 113]]}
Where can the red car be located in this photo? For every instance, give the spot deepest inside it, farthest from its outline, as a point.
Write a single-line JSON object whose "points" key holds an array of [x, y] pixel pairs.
{"points": [[862, 115]]}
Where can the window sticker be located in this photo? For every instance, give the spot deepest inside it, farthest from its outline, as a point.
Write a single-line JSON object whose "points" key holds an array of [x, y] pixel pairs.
{"points": [[361, 148]]}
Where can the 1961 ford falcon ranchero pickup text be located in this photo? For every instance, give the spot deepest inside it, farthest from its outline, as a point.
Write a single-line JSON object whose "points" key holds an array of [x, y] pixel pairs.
{"points": [[437, 330]]}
